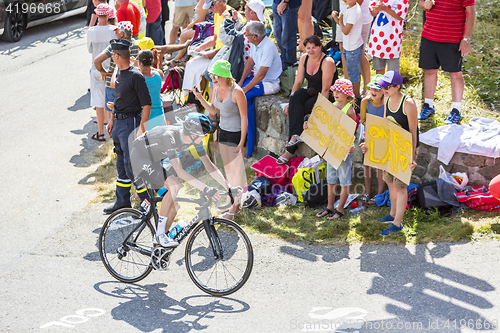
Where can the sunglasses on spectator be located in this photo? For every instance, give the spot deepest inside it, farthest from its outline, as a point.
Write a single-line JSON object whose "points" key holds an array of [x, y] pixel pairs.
{"points": [[213, 76]]}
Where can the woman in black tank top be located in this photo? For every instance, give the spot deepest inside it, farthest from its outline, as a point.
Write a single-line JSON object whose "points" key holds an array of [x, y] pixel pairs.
{"points": [[319, 70]]}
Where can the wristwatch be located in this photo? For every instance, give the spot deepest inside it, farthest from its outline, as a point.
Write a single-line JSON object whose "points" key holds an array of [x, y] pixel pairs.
{"points": [[466, 39], [283, 1]]}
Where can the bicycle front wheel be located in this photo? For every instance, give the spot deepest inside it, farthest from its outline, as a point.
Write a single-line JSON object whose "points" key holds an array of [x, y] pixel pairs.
{"points": [[228, 273], [125, 245]]}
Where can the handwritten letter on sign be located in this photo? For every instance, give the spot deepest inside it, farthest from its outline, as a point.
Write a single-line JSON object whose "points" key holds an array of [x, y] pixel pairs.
{"points": [[389, 147], [330, 132]]}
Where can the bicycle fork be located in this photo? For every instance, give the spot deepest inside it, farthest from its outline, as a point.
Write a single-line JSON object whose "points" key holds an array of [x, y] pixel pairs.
{"points": [[214, 239]]}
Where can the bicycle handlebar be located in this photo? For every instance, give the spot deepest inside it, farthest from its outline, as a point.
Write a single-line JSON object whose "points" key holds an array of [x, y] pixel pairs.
{"points": [[231, 194]]}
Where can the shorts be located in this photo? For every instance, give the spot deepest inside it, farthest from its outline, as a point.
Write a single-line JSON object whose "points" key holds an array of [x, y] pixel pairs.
{"points": [[436, 54], [341, 175], [97, 86], [365, 32], [352, 59], [152, 172], [229, 138], [181, 14], [388, 178], [379, 64], [109, 97]]}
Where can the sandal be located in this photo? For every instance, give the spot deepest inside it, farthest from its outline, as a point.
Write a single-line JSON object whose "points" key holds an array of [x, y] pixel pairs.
{"points": [[324, 212], [335, 212], [98, 137], [228, 216], [294, 143], [282, 160], [371, 201]]}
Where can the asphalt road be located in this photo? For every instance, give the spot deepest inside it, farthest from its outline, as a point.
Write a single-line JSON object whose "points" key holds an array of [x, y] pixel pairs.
{"points": [[52, 280]]}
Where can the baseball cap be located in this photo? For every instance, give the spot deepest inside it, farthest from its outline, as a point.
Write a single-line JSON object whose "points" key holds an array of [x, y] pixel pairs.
{"points": [[125, 25], [145, 43], [390, 77], [102, 9], [344, 86], [373, 83], [120, 44], [258, 7], [221, 68]]}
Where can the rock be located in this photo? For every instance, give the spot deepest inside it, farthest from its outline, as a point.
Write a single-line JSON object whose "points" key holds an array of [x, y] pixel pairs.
{"points": [[472, 160]]}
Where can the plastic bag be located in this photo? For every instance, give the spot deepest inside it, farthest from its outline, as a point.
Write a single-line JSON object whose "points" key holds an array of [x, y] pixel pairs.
{"points": [[458, 179]]}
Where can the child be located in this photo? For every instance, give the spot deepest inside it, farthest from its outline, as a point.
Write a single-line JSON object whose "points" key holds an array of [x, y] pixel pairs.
{"points": [[344, 95], [401, 110], [387, 33], [351, 24], [373, 104]]}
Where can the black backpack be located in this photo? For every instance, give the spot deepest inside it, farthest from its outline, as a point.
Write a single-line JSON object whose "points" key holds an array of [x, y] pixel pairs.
{"points": [[317, 194], [428, 198]]}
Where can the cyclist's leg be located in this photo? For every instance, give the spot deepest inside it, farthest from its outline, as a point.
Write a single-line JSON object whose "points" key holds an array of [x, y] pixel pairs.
{"points": [[168, 209]]}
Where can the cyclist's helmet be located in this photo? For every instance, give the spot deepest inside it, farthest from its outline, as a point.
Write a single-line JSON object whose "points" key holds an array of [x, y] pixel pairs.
{"points": [[197, 124]]}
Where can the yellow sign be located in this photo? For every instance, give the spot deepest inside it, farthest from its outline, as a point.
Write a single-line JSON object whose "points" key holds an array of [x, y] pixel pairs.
{"points": [[330, 132], [390, 147]]}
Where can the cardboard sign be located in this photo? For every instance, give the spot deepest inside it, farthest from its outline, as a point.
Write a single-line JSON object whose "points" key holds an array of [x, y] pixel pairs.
{"points": [[390, 147], [330, 132]]}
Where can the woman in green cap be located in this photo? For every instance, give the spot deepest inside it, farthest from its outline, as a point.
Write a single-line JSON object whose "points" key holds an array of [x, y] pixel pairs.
{"points": [[373, 104], [229, 102]]}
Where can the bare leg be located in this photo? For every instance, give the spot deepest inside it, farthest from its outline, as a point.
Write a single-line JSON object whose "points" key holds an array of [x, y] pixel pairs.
{"points": [[355, 88], [365, 70], [457, 86], [306, 27], [368, 180], [173, 34], [402, 198], [234, 165], [394, 199], [380, 71], [380, 182], [168, 205], [185, 36], [430, 83], [100, 119], [344, 194]]}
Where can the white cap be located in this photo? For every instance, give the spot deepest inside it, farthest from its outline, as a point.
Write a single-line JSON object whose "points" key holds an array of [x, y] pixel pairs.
{"points": [[258, 7]]}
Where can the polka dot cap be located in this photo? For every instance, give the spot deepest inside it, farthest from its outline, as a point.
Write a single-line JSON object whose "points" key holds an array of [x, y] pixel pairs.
{"points": [[344, 86]]}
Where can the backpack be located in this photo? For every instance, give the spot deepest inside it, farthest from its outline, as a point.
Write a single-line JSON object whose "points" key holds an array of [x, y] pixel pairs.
{"points": [[427, 197], [479, 198], [317, 194], [173, 79]]}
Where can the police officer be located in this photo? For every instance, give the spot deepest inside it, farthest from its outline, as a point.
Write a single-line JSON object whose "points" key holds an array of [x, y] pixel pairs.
{"points": [[132, 96]]}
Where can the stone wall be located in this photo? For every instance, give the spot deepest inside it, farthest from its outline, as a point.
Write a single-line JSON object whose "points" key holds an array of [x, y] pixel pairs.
{"points": [[272, 135]]}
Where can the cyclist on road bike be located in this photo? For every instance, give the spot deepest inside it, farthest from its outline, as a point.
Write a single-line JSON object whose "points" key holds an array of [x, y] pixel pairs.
{"points": [[162, 142]]}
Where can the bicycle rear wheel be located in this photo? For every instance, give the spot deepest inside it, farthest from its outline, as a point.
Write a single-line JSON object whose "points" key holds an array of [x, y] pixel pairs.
{"points": [[125, 245], [225, 275]]}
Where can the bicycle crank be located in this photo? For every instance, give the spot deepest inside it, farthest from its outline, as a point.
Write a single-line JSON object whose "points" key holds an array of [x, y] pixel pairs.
{"points": [[160, 258]]}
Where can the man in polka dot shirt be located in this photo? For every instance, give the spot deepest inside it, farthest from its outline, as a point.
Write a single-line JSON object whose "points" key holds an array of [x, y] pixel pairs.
{"points": [[387, 33]]}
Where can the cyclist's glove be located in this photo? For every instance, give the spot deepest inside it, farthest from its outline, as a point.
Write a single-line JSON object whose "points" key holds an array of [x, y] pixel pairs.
{"points": [[210, 191]]}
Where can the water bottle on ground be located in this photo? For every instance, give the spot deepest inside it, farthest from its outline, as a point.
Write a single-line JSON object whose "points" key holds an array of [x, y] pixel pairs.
{"points": [[357, 210], [175, 230]]}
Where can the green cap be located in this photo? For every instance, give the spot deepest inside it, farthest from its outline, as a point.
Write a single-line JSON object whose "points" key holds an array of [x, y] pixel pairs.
{"points": [[221, 68], [373, 82]]}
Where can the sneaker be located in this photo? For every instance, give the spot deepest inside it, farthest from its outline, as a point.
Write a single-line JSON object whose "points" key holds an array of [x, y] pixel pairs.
{"points": [[392, 228], [453, 118], [426, 112], [164, 241], [386, 219]]}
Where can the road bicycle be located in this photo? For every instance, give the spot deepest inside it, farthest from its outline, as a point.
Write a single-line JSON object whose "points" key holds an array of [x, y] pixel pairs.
{"points": [[218, 254]]}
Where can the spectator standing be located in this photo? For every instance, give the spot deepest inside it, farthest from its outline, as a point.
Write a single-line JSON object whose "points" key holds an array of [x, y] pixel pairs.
{"points": [[154, 30], [93, 18], [285, 24], [228, 101], [153, 79], [112, 17], [122, 31], [132, 97], [351, 24], [98, 38], [129, 11], [184, 10], [401, 110], [165, 16], [365, 34], [445, 41], [344, 96], [265, 61], [318, 69], [387, 34]]}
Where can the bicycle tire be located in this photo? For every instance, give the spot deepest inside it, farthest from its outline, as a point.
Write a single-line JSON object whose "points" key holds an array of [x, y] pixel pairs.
{"points": [[227, 275], [123, 253]]}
